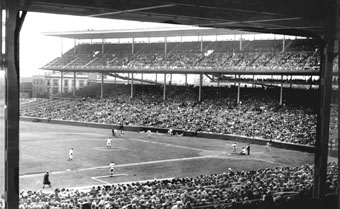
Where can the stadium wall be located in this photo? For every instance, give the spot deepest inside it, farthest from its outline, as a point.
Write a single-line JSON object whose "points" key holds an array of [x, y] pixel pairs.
{"points": [[243, 139]]}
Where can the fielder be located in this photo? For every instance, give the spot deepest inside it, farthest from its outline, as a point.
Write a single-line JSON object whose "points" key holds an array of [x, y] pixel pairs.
{"points": [[112, 168]]}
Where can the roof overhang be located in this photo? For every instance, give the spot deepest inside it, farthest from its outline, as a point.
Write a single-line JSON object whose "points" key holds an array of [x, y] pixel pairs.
{"points": [[290, 17], [144, 33]]}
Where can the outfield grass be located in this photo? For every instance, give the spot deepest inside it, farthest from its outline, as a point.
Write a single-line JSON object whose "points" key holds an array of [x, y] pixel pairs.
{"points": [[44, 147]]}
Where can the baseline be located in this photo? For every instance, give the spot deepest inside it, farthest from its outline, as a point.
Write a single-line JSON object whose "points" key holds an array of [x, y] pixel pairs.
{"points": [[97, 178]]}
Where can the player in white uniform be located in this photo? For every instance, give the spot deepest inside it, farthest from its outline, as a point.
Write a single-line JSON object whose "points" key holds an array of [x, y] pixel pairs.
{"points": [[243, 151], [70, 154], [234, 147], [268, 145], [114, 132], [112, 168], [148, 133], [170, 132], [108, 143]]}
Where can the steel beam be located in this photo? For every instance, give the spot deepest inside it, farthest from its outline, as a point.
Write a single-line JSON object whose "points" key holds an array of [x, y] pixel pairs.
{"points": [[13, 25], [238, 90], [338, 93], [131, 85], [102, 86], [281, 90], [74, 84], [61, 82], [164, 87], [133, 46], [200, 88], [325, 87]]}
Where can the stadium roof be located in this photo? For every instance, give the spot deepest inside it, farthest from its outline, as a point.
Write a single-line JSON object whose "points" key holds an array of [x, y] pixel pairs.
{"points": [[144, 33], [291, 17]]}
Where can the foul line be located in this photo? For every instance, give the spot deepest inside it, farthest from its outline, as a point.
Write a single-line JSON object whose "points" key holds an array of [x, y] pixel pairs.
{"points": [[124, 165], [101, 181], [156, 162], [150, 162], [96, 178]]}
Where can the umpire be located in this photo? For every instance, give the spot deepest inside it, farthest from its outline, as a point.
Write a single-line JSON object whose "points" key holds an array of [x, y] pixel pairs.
{"points": [[46, 180]]}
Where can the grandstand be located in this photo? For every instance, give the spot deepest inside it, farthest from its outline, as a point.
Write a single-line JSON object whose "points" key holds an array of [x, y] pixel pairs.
{"points": [[224, 56], [263, 110]]}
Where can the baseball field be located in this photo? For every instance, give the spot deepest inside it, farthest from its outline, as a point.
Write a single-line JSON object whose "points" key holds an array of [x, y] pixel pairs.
{"points": [[44, 147]]}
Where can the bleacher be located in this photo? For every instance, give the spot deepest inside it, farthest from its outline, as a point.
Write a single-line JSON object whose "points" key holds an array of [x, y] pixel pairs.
{"points": [[41, 106], [220, 113]]}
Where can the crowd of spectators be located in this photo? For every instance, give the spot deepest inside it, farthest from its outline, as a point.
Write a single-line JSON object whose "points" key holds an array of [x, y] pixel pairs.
{"points": [[290, 61], [256, 55], [258, 115], [305, 81], [333, 128], [232, 189]]}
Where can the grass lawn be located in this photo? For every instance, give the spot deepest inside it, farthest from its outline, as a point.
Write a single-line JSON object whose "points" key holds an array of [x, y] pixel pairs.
{"points": [[44, 147]]}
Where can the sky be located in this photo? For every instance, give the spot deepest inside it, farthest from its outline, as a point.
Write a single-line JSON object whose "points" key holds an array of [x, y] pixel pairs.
{"points": [[36, 49]]}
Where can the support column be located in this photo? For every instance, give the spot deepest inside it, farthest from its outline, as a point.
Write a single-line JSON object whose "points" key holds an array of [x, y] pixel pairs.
{"points": [[325, 88], [128, 80], [12, 26], [238, 90], [253, 81], [200, 88], [74, 46], [201, 44], [241, 43], [61, 46], [156, 77], [218, 82], [170, 78], [103, 43], [133, 46], [165, 45], [281, 89], [74, 84], [61, 82], [131, 85], [186, 79], [311, 82], [102, 87], [164, 86], [338, 30], [115, 80], [142, 78], [283, 43]]}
